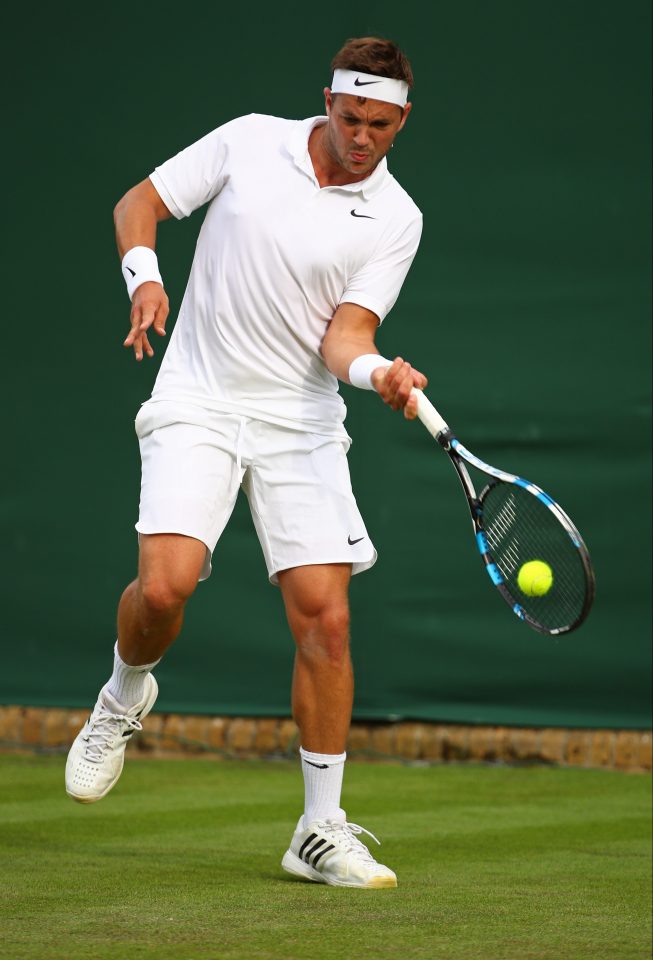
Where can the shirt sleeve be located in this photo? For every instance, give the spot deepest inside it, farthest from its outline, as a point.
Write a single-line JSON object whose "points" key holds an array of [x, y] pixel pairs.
{"points": [[195, 175], [377, 284]]}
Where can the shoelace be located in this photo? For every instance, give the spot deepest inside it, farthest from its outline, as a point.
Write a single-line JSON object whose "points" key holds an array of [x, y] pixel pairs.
{"points": [[102, 730], [348, 834]]}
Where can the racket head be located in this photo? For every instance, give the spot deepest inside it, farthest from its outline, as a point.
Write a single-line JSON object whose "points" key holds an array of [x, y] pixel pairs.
{"points": [[516, 523]]}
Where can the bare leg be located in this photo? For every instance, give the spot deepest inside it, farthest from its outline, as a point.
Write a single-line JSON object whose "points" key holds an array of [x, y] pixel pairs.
{"points": [[151, 609], [323, 683], [149, 618]]}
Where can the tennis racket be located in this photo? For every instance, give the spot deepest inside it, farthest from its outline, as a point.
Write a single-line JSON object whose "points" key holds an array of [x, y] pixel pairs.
{"points": [[516, 523]]}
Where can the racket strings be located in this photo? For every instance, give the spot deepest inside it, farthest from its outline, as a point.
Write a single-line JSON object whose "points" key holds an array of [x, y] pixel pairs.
{"points": [[520, 527]]}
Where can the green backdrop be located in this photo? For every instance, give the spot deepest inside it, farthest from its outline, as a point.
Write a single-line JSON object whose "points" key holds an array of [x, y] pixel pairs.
{"points": [[528, 306]]}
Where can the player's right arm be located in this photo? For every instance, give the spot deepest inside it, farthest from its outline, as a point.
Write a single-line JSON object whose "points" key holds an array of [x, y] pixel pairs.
{"points": [[136, 217], [350, 335]]}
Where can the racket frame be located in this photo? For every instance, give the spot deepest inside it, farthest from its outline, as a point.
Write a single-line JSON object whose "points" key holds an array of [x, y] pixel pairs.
{"points": [[458, 454]]}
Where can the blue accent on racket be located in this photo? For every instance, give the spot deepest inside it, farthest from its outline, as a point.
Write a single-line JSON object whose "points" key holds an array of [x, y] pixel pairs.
{"points": [[495, 574], [481, 543], [532, 488]]}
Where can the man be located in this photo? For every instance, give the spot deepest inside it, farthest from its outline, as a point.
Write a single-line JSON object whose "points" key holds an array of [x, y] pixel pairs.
{"points": [[305, 245]]}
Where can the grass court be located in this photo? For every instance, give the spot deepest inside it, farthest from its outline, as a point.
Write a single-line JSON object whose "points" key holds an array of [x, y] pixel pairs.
{"points": [[181, 862]]}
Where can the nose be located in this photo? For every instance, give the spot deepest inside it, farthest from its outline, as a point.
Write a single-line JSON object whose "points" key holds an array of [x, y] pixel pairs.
{"points": [[361, 137]]}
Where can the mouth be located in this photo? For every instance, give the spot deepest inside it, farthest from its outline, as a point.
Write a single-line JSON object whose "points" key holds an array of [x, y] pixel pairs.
{"points": [[359, 157]]}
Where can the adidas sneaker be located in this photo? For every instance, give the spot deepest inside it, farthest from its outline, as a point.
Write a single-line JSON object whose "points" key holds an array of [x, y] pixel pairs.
{"points": [[329, 851], [97, 755]]}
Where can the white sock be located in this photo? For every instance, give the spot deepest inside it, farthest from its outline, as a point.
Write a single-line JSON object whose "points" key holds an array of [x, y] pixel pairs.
{"points": [[322, 784], [127, 684]]}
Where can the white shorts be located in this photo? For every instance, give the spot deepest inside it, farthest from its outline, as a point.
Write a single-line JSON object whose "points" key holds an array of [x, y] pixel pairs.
{"points": [[297, 485]]}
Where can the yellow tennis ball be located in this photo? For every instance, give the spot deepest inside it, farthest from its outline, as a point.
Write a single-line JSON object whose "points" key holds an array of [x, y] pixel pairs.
{"points": [[535, 578]]}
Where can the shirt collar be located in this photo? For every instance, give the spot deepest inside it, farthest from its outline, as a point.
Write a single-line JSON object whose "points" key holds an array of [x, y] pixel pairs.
{"points": [[297, 146]]}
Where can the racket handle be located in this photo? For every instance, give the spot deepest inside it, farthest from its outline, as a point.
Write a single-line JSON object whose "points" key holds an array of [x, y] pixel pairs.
{"points": [[429, 415]]}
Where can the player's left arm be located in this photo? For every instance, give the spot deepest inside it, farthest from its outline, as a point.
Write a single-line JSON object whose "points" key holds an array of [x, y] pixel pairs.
{"points": [[350, 335]]}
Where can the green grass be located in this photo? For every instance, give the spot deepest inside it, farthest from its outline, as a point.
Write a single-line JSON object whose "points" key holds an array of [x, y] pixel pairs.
{"points": [[181, 862]]}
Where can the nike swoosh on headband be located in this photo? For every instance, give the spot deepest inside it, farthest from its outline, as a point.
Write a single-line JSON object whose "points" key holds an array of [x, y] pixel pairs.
{"points": [[364, 83]]}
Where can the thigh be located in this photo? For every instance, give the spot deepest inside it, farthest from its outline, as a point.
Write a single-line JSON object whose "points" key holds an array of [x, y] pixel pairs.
{"points": [[172, 561]]}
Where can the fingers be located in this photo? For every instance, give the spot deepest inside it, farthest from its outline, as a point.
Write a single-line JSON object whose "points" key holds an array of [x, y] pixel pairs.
{"points": [[397, 385], [410, 410], [150, 308], [142, 346]]}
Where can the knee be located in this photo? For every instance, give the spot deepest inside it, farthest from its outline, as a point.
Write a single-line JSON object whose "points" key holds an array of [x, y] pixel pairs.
{"points": [[164, 598], [324, 635]]}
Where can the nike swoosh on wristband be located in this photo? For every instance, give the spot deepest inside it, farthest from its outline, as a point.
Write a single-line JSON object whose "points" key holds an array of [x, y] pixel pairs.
{"points": [[133, 272], [320, 766], [352, 542], [364, 83], [362, 216]]}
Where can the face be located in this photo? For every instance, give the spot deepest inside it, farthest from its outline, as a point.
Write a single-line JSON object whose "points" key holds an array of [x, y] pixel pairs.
{"points": [[360, 131]]}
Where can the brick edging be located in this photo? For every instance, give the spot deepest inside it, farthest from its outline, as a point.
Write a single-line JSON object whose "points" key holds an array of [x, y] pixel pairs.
{"points": [[52, 729]]}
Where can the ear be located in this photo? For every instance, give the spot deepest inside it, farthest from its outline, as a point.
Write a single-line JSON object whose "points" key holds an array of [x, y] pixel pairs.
{"points": [[405, 112], [327, 101]]}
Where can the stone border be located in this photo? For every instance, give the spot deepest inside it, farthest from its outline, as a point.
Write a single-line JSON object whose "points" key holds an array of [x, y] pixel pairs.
{"points": [[52, 730]]}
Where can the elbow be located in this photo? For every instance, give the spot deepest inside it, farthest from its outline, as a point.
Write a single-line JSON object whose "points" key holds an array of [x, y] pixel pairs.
{"points": [[119, 208], [135, 197]]}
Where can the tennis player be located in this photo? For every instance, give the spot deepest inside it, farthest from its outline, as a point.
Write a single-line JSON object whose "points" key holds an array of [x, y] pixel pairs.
{"points": [[306, 242]]}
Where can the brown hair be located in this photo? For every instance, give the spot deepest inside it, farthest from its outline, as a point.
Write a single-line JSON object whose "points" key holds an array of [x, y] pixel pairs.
{"points": [[382, 58]]}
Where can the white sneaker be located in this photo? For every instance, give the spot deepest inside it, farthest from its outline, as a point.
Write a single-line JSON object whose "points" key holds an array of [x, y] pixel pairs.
{"points": [[328, 851], [97, 755]]}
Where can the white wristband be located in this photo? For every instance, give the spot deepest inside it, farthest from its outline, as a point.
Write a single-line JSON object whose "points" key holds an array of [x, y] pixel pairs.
{"points": [[138, 266], [361, 369]]}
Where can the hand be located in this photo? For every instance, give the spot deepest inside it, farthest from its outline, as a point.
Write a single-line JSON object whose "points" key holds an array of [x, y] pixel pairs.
{"points": [[395, 384], [150, 307]]}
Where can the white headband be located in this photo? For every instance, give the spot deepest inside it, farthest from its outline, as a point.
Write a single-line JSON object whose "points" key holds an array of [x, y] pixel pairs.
{"points": [[368, 85]]}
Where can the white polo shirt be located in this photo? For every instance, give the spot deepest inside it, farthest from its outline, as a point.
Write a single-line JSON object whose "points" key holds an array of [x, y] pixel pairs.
{"points": [[275, 257]]}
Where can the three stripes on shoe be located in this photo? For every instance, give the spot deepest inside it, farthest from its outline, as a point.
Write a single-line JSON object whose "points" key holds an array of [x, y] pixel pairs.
{"points": [[313, 851]]}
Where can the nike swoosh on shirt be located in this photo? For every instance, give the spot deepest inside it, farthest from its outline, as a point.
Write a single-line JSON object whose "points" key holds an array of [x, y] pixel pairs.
{"points": [[352, 542], [362, 216]]}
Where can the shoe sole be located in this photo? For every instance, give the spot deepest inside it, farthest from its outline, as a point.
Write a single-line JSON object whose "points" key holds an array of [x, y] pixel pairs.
{"points": [[149, 703], [295, 866]]}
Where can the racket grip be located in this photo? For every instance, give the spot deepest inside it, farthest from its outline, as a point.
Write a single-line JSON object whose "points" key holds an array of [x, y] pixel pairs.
{"points": [[429, 415]]}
